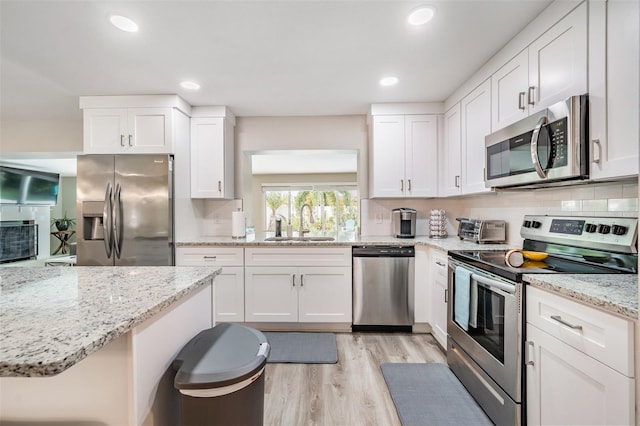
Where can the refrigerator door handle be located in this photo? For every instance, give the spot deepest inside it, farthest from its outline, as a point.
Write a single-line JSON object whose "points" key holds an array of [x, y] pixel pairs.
{"points": [[106, 220], [117, 221]]}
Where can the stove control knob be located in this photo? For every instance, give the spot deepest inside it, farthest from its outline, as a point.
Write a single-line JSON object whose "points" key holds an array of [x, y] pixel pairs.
{"points": [[535, 224], [619, 229], [604, 229], [527, 224], [590, 228]]}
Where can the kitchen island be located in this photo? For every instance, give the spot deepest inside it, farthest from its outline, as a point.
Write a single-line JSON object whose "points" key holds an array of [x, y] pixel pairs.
{"points": [[95, 344]]}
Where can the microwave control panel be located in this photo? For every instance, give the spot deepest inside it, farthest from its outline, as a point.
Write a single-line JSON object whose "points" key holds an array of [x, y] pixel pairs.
{"points": [[558, 141]]}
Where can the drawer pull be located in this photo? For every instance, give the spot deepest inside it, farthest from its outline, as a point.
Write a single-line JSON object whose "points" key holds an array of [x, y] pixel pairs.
{"points": [[210, 257], [446, 295], [529, 354], [440, 263], [563, 322]]}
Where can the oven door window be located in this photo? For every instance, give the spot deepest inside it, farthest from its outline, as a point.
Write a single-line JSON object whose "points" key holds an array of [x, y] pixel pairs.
{"points": [[486, 322]]}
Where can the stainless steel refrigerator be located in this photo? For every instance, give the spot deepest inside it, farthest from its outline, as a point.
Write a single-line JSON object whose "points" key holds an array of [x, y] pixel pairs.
{"points": [[124, 206]]}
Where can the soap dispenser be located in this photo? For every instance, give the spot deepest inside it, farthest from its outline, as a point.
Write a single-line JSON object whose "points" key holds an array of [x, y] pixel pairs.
{"points": [[278, 227]]}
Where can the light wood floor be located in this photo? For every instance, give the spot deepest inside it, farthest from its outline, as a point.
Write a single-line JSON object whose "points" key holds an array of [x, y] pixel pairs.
{"points": [[351, 392]]}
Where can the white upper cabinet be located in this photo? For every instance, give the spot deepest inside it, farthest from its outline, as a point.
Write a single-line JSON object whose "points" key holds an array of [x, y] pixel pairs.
{"points": [[128, 130], [508, 96], [614, 66], [404, 156], [551, 69], [476, 124], [131, 124], [450, 153], [212, 156], [462, 152]]}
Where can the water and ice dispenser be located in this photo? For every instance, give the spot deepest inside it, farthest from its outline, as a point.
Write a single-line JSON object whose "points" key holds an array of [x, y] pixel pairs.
{"points": [[92, 220]]}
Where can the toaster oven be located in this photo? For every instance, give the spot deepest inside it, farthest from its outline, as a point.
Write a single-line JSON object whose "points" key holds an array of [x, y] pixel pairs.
{"points": [[482, 231]]}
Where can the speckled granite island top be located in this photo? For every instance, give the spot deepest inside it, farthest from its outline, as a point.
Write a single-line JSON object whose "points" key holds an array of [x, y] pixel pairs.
{"points": [[51, 318], [614, 293]]}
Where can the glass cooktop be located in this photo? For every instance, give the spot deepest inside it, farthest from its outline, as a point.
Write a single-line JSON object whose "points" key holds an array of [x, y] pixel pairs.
{"points": [[494, 261]]}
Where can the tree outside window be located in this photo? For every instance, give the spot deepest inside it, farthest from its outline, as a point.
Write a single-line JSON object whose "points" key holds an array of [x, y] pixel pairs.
{"points": [[334, 211]]}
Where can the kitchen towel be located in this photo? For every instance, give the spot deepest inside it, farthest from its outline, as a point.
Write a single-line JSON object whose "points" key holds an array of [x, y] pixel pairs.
{"points": [[473, 305], [462, 297], [238, 225]]}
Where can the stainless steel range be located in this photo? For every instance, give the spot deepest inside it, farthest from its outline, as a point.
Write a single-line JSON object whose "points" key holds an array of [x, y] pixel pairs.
{"points": [[486, 311]]}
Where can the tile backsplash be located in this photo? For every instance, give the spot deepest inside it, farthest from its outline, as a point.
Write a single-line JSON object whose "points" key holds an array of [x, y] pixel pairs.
{"points": [[606, 199]]}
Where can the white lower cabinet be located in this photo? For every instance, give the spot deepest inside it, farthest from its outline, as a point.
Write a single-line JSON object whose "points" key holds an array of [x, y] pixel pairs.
{"points": [[228, 288], [289, 291], [438, 294], [304, 294], [579, 364]]}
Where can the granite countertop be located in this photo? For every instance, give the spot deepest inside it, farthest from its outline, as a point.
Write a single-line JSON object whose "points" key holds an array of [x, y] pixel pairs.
{"points": [[614, 293], [53, 317], [449, 243]]}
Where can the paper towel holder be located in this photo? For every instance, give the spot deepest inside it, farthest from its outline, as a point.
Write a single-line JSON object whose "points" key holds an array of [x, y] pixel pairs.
{"points": [[238, 224]]}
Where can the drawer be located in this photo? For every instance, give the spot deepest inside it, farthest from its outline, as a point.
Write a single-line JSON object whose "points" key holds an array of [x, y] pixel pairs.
{"points": [[439, 263], [209, 256], [604, 337], [298, 256]]}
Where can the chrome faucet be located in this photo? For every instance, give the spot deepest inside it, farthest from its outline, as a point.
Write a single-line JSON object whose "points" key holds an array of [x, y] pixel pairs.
{"points": [[302, 231]]}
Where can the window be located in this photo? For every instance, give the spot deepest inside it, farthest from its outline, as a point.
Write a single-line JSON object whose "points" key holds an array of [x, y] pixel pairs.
{"points": [[334, 208]]}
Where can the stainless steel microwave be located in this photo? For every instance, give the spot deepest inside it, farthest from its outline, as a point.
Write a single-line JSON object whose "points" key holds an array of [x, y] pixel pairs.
{"points": [[547, 147]]}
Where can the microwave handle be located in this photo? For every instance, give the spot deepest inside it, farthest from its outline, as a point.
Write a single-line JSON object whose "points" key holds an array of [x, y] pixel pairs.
{"points": [[534, 147]]}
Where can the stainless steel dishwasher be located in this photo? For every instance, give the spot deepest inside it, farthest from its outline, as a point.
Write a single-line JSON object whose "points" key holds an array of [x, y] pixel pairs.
{"points": [[383, 282]]}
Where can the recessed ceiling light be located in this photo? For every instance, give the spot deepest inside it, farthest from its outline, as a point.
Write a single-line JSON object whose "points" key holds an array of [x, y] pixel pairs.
{"points": [[123, 23], [420, 15], [388, 81], [190, 85]]}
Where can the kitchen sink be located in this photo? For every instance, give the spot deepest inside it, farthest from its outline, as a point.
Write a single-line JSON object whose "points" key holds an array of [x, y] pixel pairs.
{"points": [[300, 239]]}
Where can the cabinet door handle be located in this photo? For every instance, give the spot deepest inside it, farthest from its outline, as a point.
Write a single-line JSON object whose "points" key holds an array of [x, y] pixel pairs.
{"points": [[529, 354], [210, 257], [219, 186], [596, 142], [521, 105], [531, 95], [130, 137], [446, 295], [294, 280], [563, 322], [301, 280], [457, 181], [409, 181], [121, 140], [401, 185]]}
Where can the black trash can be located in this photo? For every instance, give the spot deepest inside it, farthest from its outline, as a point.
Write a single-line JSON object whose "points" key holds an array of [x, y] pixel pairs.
{"points": [[220, 375]]}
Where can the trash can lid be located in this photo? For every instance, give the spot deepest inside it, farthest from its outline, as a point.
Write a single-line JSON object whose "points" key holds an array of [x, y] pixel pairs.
{"points": [[220, 356]]}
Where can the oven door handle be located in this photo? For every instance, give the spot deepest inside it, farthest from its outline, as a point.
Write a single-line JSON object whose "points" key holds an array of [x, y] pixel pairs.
{"points": [[511, 289]]}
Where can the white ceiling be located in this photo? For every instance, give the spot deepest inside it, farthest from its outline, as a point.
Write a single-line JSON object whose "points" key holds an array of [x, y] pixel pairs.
{"points": [[260, 58]]}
